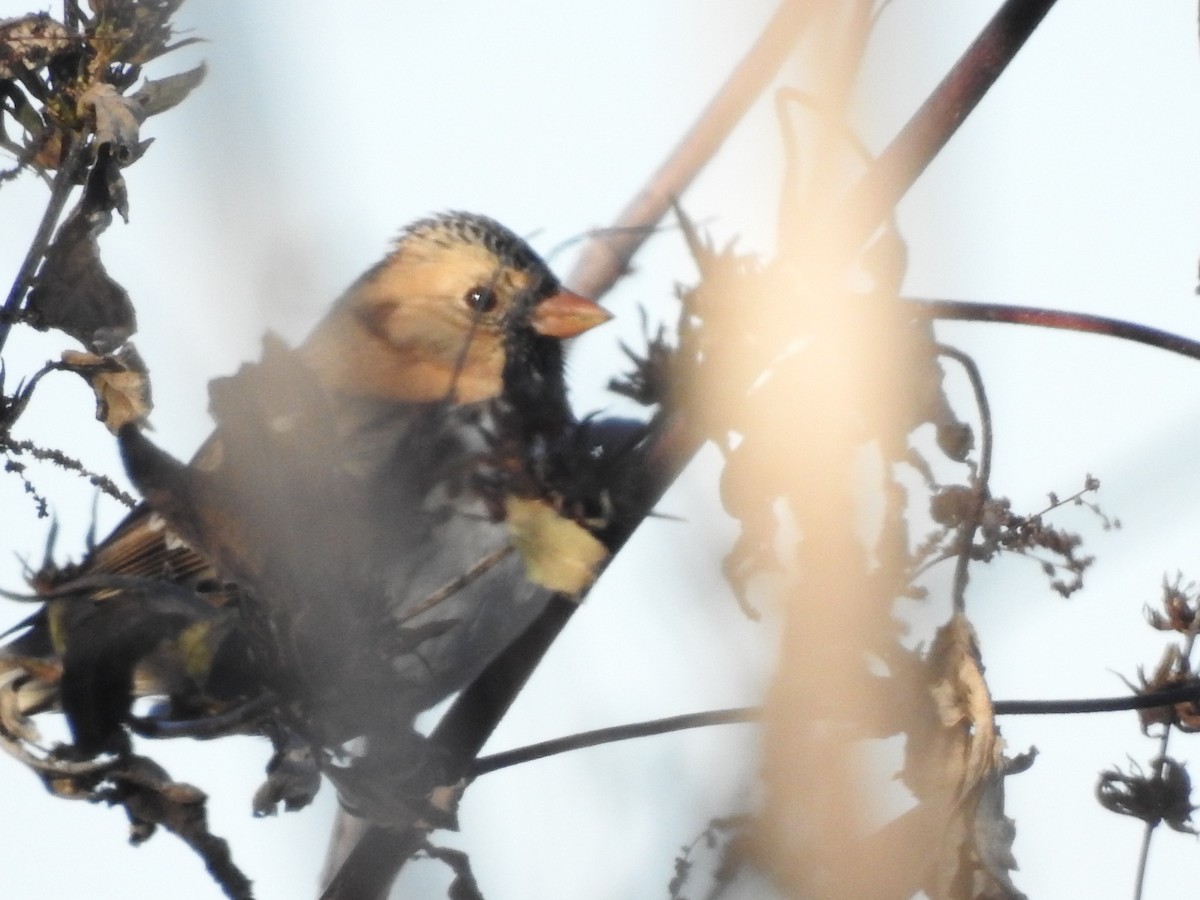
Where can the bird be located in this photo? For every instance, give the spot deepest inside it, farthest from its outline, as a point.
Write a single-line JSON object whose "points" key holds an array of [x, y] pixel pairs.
{"points": [[377, 515]]}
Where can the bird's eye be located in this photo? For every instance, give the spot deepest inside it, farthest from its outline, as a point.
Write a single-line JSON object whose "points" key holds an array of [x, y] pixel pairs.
{"points": [[481, 299]]}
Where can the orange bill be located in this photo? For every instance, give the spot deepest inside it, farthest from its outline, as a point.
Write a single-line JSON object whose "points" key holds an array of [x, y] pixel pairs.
{"points": [[566, 314]]}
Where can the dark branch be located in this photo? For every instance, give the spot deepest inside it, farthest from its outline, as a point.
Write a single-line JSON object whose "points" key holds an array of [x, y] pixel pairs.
{"points": [[1171, 696], [60, 190], [940, 116], [967, 311], [600, 736]]}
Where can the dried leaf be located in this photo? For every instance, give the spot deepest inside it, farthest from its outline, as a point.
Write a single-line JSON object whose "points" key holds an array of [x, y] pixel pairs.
{"points": [[956, 767], [142, 30], [117, 121], [464, 886], [1173, 671], [13, 721], [1162, 796], [1179, 604], [120, 382], [993, 833], [30, 119], [444, 798], [30, 42], [558, 553], [724, 838], [151, 799], [292, 779], [964, 705], [74, 292], [154, 97], [649, 382]]}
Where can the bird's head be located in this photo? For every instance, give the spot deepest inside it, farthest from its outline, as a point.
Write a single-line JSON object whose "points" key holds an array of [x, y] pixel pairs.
{"points": [[442, 316]]}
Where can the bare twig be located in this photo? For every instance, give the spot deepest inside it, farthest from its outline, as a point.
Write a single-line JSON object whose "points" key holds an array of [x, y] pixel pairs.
{"points": [[49, 766], [746, 714], [1181, 693], [967, 311], [938, 118], [600, 736], [456, 584], [1160, 760], [966, 534], [60, 190], [24, 393]]}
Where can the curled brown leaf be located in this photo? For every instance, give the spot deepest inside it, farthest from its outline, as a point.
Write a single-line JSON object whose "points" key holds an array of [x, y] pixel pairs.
{"points": [[74, 292], [121, 384]]}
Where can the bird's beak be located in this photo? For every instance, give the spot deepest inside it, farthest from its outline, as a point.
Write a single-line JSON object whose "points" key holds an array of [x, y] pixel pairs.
{"points": [[566, 314]]}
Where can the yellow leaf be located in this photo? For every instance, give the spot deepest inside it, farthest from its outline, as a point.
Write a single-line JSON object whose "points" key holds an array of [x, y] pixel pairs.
{"points": [[558, 553]]}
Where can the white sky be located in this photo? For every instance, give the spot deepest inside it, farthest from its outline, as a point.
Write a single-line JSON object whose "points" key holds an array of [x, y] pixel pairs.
{"points": [[318, 134]]}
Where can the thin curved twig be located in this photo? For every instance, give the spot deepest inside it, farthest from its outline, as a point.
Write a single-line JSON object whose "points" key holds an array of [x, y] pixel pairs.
{"points": [[966, 536], [599, 736], [46, 765], [1085, 323], [24, 393], [745, 714]]}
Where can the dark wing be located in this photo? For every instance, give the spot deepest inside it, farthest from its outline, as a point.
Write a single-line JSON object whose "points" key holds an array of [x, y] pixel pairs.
{"points": [[141, 615]]}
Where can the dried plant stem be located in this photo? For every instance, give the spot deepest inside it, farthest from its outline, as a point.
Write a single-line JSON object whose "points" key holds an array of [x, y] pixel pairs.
{"points": [[939, 117], [599, 736], [1159, 761], [966, 536], [735, 715], [1143, 859], [15, 448], [60, 190], [742, 714], [967, 311], [1150, 700], [452, 587]]}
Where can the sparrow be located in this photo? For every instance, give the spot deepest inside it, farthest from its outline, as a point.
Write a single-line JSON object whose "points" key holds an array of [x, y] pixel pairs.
{"points": [[377, 515]]}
